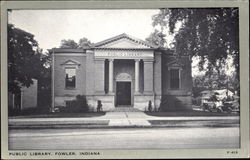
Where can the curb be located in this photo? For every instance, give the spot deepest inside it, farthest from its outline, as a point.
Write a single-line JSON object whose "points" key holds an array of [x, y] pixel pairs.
{"points": [[74, 126], [116, 127]]}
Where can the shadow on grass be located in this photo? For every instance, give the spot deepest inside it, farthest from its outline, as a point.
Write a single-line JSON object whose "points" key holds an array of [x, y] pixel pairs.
{"points": [[44, 113], [195, 123], [189, 113]]}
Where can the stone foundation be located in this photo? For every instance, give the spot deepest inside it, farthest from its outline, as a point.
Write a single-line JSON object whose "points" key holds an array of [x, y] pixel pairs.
{"points": [[141, 102], [176, 102], [61, 100]]}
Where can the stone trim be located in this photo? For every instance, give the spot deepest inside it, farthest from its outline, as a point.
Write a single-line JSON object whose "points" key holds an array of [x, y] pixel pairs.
{"points": [[136, 40], [70, 54]]}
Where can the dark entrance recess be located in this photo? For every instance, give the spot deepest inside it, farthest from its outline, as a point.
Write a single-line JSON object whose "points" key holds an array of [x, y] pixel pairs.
{"points": [[123, 93]]}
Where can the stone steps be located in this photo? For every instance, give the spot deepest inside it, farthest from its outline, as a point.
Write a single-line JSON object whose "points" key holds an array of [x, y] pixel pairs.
{"points": [[125, 109]]}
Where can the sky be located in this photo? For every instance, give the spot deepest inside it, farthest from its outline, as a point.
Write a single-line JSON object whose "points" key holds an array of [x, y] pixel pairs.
{"points": [[51, 26]]}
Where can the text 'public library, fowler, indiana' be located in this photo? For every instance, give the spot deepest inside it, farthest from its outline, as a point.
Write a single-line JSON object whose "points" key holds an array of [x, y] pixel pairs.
{"points": [[122, 71]]}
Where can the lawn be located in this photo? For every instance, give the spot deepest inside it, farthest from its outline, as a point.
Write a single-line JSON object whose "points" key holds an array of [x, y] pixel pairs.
{"points": [[189, 113], [46, 114]]}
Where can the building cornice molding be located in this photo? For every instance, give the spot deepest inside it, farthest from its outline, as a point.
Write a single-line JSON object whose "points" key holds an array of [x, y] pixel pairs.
{"points": [[130, 49], [126, 36]]}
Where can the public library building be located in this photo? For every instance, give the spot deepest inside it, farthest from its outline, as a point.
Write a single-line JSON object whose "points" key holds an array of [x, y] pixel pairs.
{"points": [[122, 71]]}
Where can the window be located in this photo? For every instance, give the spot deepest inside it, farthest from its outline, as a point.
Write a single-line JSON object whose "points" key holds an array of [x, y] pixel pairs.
{"points": [[174, 78], [70, 78]]}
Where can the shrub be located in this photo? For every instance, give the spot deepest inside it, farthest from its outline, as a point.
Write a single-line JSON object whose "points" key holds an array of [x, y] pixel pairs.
{"points": [[78, 105], [150, 106], [81, 102], [99, 106]]}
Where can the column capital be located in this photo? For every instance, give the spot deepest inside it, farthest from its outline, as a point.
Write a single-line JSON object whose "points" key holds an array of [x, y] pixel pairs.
{"points": [[137, 60], [110, 60]]}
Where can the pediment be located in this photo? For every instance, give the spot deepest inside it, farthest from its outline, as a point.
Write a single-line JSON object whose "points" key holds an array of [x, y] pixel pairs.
{"points": [[175, 63], [124, 41], [71, 63]]}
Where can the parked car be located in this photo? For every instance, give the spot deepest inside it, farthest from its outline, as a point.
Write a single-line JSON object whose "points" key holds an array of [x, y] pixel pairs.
{"points": [[212, 106], [231, 106]]}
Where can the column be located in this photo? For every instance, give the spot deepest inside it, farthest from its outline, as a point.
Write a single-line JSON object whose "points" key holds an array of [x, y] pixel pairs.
{"points": [[99, 76], [137, 75], [148, 75], [111, 64]]}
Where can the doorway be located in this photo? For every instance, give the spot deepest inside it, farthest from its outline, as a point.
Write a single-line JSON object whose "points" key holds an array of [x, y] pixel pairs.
{"points": [[123, 94]]}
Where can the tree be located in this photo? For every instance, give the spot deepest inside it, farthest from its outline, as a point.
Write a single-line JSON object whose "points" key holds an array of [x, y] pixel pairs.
{"points": [[68, 44], [211, 34], [84, 43], [44, 83], [156, 38], [24, 59]]}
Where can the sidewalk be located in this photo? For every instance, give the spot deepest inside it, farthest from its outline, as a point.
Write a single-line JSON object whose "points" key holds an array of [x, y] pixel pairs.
{"points": [[122, 120]]}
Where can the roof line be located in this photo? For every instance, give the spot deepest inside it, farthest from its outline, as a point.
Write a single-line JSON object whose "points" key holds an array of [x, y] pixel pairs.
{"points": [[124, 35]]}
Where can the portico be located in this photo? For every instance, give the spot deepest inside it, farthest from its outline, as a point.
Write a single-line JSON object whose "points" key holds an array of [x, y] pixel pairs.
{"points": [[129, 76]]}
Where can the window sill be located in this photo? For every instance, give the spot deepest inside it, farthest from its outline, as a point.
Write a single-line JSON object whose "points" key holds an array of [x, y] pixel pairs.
{"points": [[70, 88]]}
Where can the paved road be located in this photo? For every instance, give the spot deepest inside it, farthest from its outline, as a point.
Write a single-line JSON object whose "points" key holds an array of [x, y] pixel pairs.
{"points": [[133, 138]]}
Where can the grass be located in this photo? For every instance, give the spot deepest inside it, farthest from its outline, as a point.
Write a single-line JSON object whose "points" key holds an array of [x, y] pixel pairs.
{"points": [[195, 123], [44, 113], [189, 113], [63, 115]]}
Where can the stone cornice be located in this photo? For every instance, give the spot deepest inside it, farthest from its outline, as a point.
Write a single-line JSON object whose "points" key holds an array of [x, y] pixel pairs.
{"points": [[132, 49]]}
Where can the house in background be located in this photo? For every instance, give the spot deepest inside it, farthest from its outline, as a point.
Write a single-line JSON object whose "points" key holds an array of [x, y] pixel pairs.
{"points": [[26, 99], [122, 71]]}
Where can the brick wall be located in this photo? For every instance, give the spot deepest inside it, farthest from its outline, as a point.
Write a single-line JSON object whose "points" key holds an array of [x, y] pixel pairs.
{"points": [[61, 93], [179, 98]]}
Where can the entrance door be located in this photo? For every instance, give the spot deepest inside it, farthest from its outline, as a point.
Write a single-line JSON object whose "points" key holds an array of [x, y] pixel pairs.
{"points": [[123, 93]]}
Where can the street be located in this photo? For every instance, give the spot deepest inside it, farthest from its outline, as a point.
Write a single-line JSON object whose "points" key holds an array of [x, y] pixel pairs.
{"points": [[125, 138]]}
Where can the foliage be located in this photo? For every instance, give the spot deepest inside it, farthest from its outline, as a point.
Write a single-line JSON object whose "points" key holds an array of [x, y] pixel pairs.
{"points": [[78, 105], [68, 44], [211, 34], [83, 43], [99, 105], [25, 59], [215, 81], [156, 38], [150, 106], [81, 102]]}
